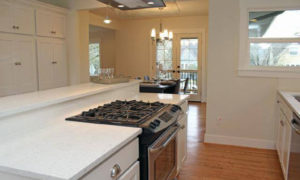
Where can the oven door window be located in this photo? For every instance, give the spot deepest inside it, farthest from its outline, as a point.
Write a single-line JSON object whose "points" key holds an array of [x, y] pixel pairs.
{"points": [[165, 162]]}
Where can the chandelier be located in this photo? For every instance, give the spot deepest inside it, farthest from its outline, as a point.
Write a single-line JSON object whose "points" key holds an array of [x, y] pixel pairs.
{"points": [[162, 35]]}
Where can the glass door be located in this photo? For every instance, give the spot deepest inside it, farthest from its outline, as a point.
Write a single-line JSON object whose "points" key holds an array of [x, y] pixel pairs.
{"points": [[188, 64]]}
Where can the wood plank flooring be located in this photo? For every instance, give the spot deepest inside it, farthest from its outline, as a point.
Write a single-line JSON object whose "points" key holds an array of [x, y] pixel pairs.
{"points": [[221, 162]]}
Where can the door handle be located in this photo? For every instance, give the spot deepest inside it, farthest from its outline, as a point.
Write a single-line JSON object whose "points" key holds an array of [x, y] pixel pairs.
{"points": [[178, 71], [173, 71], [293, 123]]}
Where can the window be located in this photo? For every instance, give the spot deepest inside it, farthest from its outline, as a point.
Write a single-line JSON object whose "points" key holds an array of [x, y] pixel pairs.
{"points": [[94, 58], [164, 58], [273, 41]]}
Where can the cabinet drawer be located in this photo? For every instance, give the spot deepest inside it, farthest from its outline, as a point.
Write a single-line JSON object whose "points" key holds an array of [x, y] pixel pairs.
{"points": [[124, 158], [285, 109]]}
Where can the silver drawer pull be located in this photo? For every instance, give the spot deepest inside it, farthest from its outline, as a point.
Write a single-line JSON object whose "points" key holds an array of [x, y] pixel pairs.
{"points": [[115, 171]]}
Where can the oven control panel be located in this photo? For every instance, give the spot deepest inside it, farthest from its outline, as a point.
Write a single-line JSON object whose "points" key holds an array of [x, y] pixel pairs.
{"points": [[163, 119]]}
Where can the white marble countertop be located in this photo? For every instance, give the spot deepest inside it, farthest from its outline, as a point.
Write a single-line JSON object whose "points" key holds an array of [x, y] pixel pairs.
{"points": [[291, 101], [24, 102], [40, 144]]}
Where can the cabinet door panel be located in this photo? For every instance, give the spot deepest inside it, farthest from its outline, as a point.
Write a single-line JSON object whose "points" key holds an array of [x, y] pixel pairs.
{"points": [[133, 173], [44, 23], [7, 76], [286, 146], [60, 68], [45, 66], [26, 73], [6, 17], [182, 141], [24, 19], [59, 24]]}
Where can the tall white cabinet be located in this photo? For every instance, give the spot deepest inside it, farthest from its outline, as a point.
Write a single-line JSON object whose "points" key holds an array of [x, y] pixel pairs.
{"points": [[32, 47], [52, 63]]}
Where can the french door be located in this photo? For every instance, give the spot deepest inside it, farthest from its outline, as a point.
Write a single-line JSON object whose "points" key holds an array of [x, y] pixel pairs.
{"points": [[187, 63], [181, 59]]}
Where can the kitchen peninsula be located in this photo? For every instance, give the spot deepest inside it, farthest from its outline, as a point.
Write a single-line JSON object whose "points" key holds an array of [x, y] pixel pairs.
{"points": [[37, 142]]}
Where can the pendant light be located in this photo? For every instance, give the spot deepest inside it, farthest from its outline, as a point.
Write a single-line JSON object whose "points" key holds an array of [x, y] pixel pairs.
{"points": [[107, 20]]}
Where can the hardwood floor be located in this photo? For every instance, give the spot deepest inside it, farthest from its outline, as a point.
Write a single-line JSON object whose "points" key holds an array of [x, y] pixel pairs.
{"points": [[221, 162]]}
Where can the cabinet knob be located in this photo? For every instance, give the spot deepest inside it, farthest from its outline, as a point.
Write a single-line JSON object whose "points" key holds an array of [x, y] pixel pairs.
{"points": [[278, 101], [14, 27], [281, 122], [54, 62], [115, 171], [18, 63]]}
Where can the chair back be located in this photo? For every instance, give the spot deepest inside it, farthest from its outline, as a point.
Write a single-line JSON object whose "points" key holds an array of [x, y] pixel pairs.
{"points": [[177, 87], [146, 78], [186, 83]]}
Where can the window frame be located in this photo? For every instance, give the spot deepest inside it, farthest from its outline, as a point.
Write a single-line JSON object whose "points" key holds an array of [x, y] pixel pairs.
{"points": [[244, 67]]}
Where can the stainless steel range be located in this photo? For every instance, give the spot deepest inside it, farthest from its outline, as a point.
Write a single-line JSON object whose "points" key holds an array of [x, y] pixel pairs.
{"points": [[158, 142]]}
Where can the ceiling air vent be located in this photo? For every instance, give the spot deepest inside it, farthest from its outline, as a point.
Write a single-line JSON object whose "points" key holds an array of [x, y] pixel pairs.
{"points": [[134, 4]]}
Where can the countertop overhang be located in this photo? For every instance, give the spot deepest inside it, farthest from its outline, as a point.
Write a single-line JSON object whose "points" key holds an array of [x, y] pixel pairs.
{"points": [[291, 101], [10, 105]]}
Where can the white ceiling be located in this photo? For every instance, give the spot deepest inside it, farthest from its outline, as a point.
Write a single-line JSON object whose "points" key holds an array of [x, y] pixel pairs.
{"points": [[173, 8]]}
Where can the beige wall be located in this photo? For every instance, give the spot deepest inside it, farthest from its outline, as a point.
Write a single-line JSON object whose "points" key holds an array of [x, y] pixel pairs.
{"points": [[240, 110], [133, 57]]}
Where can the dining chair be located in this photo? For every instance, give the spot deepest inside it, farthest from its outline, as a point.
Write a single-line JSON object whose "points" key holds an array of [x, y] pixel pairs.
{"points": [[146, 78], [177, 87], [186, 83]]}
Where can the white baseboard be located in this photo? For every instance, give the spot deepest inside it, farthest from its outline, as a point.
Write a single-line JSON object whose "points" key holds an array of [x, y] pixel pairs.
{"points": [[239, 141]]}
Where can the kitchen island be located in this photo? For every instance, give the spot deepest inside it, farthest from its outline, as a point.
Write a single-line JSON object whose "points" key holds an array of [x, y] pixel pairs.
{"points": [[37, 143]]}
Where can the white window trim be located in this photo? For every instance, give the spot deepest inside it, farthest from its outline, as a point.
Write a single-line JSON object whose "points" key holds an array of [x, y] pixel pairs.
{"points": [[244, 67]]}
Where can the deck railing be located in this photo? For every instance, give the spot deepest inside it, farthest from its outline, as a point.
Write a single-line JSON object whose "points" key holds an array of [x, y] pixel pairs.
{"points": [[184, 74]]}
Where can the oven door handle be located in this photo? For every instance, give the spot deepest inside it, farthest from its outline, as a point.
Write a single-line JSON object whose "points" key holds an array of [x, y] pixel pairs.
{"points": [[294, 123], [164, 144]]}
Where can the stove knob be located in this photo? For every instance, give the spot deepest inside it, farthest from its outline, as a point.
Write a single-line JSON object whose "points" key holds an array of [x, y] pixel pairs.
{"points": [[174, 109], [156, 122], [152, 125]]}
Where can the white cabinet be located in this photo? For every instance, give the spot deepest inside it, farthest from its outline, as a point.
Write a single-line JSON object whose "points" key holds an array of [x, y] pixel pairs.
{"points": [[16, 18], [50, 24], [124, 164], [18, 73], [182, 138], [133, 173], [284, 131], [52, 63]]}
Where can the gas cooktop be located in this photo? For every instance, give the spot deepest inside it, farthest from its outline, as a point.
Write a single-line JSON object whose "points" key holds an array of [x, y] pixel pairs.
{"points": [[154, 116]]}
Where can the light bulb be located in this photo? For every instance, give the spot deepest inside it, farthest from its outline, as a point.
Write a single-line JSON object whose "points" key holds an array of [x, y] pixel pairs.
{"points": [[170, 35], [153, 33], [166, 34], [107, 20]]}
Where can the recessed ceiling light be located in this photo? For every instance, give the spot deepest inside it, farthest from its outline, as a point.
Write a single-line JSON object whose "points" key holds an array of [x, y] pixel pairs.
{"points": [[121, 6], [150, 2]]}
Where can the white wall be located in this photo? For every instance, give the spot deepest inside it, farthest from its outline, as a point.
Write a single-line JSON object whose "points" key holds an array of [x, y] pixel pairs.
{"points": [[245, 105]]}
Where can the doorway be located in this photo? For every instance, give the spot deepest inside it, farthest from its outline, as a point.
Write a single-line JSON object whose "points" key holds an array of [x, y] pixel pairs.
{"points": [[181, 58]]}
